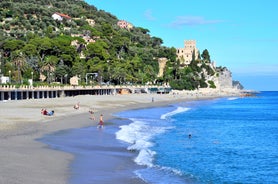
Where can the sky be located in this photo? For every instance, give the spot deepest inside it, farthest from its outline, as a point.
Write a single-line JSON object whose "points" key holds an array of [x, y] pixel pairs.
{"points": [[241, 35]]}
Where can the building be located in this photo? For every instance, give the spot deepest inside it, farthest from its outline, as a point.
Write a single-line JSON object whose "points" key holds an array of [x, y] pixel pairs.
{"points": [[4, 79], [60, 16], [185, 54], [124, 24], [85, 37], [91, 22]]}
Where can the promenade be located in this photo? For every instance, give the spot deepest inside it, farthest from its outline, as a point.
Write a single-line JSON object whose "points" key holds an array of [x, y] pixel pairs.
{"points": [[10, 92]]}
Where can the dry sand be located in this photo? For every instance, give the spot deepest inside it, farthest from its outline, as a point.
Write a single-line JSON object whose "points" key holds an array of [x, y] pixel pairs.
{"points": [[25, 160]]}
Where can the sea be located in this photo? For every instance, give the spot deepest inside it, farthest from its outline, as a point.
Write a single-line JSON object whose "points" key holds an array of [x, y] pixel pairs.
{"points": [[224, 140], [229, 140]]}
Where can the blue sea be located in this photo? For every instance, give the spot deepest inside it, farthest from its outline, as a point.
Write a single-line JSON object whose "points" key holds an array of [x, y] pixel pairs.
{"points": [[225, 140]]}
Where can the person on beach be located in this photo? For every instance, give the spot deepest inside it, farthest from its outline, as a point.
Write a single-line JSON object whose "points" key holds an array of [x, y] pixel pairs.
{"points": [[100, 124], [44, 112], [51, 113], [77, 106], [91, 111]]}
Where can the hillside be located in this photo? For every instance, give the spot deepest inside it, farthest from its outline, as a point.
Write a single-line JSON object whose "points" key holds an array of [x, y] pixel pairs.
{"points": [[53, 40]]}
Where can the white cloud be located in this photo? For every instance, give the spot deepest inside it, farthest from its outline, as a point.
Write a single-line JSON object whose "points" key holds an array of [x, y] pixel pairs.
{"points": [[192, 21], [148, 15]]}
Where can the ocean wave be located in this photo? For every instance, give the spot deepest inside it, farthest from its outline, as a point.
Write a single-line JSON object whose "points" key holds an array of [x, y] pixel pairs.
{"points": [[232, 98], [139, 134], [176, 111], [145, 157], [172, 170]]}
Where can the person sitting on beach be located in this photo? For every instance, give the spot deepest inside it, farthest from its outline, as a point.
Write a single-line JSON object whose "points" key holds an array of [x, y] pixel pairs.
{"points": [[51, 113], [77, 106], [100, 124]]}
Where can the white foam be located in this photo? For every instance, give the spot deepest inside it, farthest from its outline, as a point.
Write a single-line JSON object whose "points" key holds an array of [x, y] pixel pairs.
{"points": [[232, 98], [130, 133], [176, 111], [139, 145], [145, 157], [175, 171], [139, 135]]}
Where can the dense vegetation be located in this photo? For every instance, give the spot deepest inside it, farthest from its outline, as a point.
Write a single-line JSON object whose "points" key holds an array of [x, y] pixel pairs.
{"points": [[33, 44]]}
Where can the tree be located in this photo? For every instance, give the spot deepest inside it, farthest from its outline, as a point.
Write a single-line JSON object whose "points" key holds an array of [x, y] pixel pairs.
{"points": [[193, 56], [149, 71], [12, 45], [156, 42], [97, 49], [79, 69], [43, 46], [61, 71], [19, 61], [49, 66], [141, 76], [205, 55], [29, 50], [118, 73]]}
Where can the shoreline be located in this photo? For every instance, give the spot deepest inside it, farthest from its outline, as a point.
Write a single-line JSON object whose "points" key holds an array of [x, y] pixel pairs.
{"points": [[25, 160]]}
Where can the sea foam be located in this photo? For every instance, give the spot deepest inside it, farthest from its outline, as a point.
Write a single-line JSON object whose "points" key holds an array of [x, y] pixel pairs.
{"points": [[139, 134], [176, 111]]}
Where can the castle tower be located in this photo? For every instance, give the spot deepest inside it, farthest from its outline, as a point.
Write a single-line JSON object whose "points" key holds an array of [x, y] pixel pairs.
{"points": [[185, 54]]}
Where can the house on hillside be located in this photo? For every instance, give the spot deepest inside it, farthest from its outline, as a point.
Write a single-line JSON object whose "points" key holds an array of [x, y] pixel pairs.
{"points": [[91, 22], [60, 16], [124, 24], [88, 39]]}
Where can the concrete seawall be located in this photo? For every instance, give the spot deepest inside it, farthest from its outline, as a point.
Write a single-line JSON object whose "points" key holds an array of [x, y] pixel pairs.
{"points": [[29, 92]]}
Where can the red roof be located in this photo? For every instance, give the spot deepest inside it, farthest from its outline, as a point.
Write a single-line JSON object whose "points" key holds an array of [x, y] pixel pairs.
{"points": [[63, 15]]}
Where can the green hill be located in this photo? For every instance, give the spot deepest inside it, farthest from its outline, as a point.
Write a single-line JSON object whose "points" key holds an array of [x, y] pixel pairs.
{"points": [[35, 43]]}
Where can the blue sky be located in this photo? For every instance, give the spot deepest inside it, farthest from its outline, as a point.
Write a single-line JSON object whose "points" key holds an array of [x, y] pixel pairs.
{"points": [[239, 34]]}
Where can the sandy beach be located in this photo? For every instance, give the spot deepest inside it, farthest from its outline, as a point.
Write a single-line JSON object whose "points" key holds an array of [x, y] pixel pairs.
{"points": [[25, 160]]}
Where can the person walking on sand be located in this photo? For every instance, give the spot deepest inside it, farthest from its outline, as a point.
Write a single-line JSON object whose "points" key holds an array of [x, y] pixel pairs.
{"points": [[100, 124]]}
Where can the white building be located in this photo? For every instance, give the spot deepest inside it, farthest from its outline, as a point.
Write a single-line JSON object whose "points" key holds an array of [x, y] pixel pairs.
{"points": [[4, 80], [60, 16]]}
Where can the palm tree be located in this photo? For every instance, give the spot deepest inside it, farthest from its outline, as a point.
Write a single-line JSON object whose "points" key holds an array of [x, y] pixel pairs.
{"points": [[49, 66], [149, 71], [119, 74], [141, 76]]}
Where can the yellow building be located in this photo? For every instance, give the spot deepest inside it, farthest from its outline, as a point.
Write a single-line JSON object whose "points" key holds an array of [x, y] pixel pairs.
{"points": [[185, 54]]}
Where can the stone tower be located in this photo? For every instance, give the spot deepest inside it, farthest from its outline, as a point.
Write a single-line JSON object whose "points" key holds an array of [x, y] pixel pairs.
{"points": [[185, 54], [162, 63]]}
